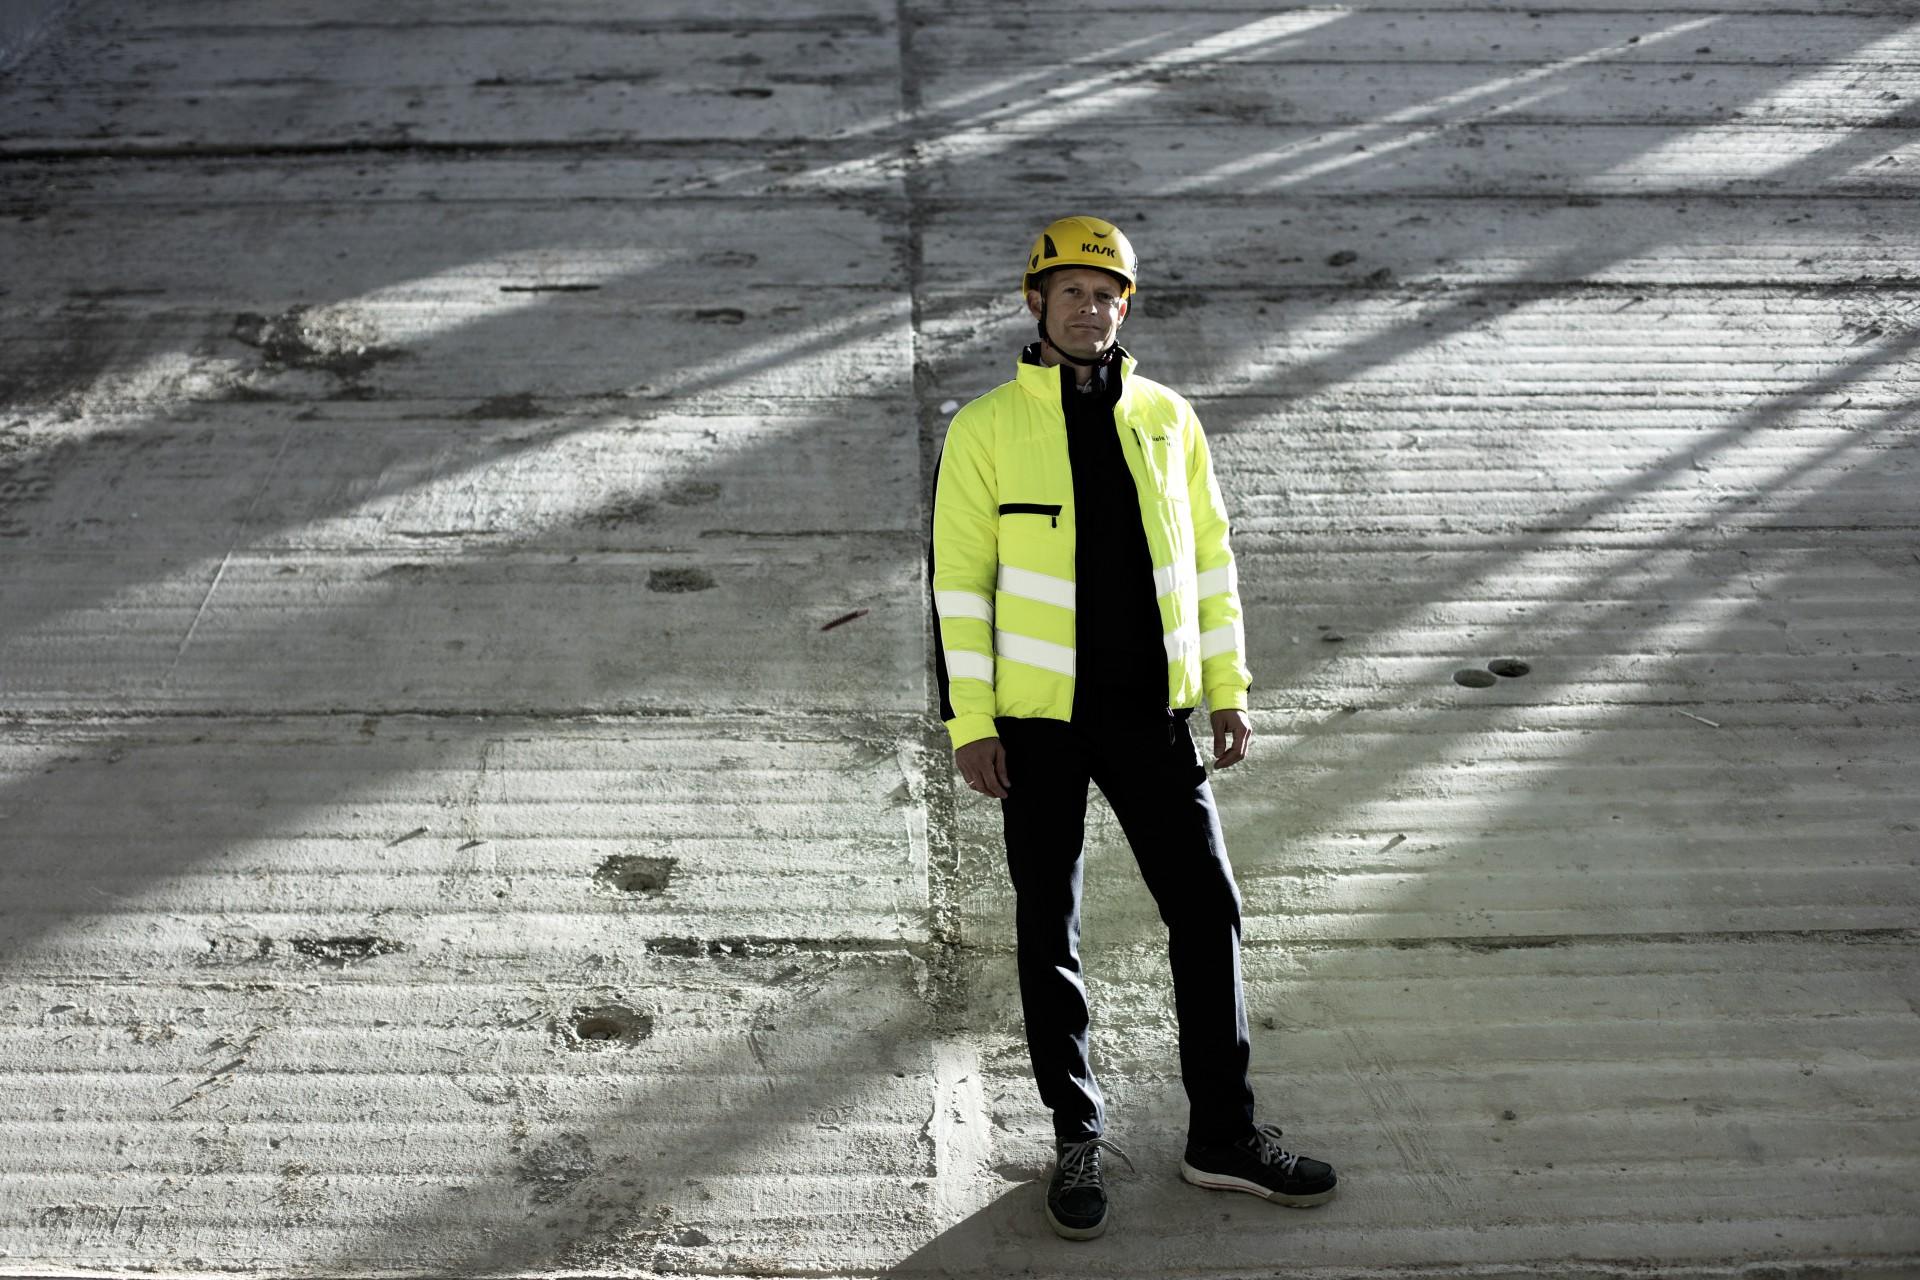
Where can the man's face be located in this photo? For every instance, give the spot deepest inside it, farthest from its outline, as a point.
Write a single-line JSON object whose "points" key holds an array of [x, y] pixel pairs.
{"points": [[1084, 310]]}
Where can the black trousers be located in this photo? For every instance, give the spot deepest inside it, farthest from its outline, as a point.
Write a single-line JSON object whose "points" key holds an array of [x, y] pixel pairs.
{"points": [[1149, 768]]}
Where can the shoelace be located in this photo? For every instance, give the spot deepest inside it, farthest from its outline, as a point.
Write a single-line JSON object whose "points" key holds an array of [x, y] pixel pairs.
{"points": [[1266, 1145], [1080, 1162]]}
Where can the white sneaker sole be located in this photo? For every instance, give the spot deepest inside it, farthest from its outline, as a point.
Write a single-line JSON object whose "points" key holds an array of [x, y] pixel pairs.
{"points": [[1227, 1182], [1066, 1232]]}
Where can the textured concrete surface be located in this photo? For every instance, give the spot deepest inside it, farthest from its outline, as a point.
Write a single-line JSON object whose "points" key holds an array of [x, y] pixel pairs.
{"points": [[23, 24], [470, 796]]}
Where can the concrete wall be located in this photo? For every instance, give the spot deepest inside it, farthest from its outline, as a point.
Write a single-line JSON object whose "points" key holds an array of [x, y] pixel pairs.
{"points": [[23, 25]]}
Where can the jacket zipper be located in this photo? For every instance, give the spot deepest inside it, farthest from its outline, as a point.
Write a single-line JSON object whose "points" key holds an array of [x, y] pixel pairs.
{"points": [[1051, 510]]}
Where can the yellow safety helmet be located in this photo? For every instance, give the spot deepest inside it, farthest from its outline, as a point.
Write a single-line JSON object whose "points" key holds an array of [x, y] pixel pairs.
{"points": [[1081, 241]]}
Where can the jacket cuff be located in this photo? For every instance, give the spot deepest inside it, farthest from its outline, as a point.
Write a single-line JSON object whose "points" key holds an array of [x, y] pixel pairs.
{"points": [[971, 728], [1226, 698]]}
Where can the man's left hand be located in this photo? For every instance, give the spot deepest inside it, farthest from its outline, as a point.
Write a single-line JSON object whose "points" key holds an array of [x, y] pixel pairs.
{"points": [[1236, 723]]}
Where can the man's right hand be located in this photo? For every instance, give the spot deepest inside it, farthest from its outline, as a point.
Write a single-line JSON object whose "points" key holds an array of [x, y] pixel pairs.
{"points": [[983, 763]]}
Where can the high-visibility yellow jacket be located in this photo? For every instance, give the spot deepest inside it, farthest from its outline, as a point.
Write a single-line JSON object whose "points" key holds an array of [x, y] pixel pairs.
{"points": [[1002, 560]]}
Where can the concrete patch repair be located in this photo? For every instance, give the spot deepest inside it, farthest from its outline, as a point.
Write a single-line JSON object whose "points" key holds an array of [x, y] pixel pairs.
{"points": [[470, 799]]}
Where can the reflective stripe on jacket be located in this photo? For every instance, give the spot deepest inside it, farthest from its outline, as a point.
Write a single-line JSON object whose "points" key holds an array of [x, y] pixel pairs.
{"points": [[1002, 560]]}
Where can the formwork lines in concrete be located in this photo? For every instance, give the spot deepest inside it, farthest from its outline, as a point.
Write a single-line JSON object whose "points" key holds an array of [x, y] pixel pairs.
{"points": [[877, 1069]]}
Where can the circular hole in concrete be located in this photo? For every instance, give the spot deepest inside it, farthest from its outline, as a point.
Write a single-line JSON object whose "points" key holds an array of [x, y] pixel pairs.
{"points": [[635, 873], [1474, 678], [607, 1026], [1508, 667]]}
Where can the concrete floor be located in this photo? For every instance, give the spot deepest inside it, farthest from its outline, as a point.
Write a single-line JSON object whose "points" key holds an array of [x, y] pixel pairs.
{"points": [[442, 832]]}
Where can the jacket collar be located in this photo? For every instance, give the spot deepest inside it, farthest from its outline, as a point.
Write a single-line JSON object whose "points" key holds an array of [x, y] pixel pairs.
{"points": [[1043, 380]]}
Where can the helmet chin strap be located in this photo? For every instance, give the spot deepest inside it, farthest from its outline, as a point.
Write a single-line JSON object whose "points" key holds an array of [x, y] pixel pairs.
{"points": [[1068, 356]]}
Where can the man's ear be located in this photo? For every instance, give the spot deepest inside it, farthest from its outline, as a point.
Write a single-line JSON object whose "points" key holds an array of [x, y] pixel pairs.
{"points": [[1033, 303], [1123, 309]]}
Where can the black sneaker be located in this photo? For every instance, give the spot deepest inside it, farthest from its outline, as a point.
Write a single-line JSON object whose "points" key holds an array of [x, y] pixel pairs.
{"points": [[1077, 1196], [1260, 1165]]}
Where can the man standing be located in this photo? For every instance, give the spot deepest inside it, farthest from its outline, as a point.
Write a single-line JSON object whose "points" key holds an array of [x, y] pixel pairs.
{"points": [[1084, 602]]}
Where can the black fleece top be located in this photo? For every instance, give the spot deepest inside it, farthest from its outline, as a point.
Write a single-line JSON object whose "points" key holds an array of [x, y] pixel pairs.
{"points": [[1120, 661]]}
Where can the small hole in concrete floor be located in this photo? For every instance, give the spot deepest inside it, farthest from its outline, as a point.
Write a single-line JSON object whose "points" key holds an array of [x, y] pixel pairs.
{"points": [[1474, 678], [635, 873], [340, 952], [1508, 667], [608, 1025]]}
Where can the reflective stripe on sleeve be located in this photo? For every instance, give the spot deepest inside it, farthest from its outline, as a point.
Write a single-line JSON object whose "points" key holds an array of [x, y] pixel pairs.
{"points": [[1043, 587], [1220, 640], [963, 604], [1035, 653], [965, 664], [1180, 643], [1214, 581]]}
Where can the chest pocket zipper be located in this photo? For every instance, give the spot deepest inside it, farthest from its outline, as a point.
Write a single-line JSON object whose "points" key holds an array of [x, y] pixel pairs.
{"points": [[1049, 509]]}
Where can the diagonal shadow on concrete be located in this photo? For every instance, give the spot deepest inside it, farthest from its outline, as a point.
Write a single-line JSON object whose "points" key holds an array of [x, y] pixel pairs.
{"points": [[522, 1256]]}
